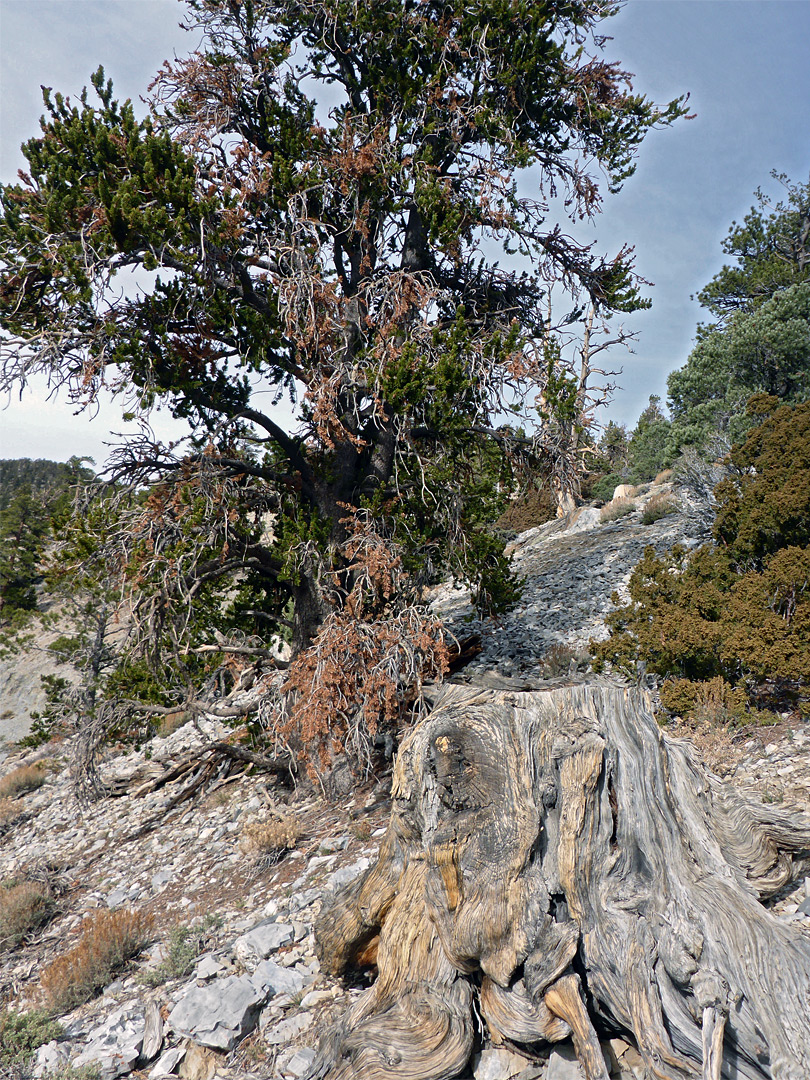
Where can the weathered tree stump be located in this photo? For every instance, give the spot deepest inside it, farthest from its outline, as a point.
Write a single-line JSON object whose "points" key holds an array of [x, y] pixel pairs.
{"points": [[558, 866]]}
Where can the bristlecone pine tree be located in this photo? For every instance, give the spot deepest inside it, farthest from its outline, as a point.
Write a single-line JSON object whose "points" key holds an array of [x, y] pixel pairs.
{"points": [[312, 209], [556, 866]]}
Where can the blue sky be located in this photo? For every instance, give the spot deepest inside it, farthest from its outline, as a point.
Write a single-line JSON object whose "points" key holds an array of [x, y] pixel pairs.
{"points": [[746, 64]]}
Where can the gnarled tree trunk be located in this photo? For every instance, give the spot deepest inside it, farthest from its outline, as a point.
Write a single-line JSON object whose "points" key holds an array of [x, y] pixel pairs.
{"points": [[552, 857]]}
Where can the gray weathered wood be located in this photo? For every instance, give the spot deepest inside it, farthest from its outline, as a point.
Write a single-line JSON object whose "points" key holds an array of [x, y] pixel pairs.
{"points": [[556, 865]]}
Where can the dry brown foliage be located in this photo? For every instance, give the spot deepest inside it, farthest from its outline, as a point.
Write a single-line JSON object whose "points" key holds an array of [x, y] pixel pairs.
{"points": [[167, 725], [533, 508], [108, 940], [365, 668], [272, 836], [358, 679], [557, 660], [24, 906], [617, 508], [10, 810], [659, 506], [25, 778]]}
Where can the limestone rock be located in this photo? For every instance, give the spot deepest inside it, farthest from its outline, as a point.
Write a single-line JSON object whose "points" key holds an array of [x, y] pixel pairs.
{"points": [[347, 873], [270, 978], [263, 939], [497, 1064], [115, 1046], [300, 1062], [167, 1063], [563, 1064], [208, 967], [219, 1014], [51, 1058], [287, 1030]]}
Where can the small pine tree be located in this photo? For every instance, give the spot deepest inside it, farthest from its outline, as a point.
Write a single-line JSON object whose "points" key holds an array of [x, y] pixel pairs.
{"points": [[737, 609]]}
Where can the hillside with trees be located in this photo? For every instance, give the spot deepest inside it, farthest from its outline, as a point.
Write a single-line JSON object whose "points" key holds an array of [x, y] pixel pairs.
{"points": [[317, 250], [27, 476], [725, 626], [32, 495], [758, 339]]}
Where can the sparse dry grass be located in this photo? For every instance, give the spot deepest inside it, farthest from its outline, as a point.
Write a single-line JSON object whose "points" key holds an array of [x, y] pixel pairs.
{"points": [[171, 722], [108, 940], [663, 477], [24, 905], [617, 508], [271, 836], [267, 841], [26, 778], [658, 507], [557, 660], [10, 810]]}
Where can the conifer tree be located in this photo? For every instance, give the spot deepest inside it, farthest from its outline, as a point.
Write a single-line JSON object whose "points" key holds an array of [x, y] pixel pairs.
{"points": [[759, 339], [312, 209]]}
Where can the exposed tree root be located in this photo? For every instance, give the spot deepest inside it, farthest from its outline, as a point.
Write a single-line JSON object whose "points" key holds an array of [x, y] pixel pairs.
{"points": [[553, 855]]}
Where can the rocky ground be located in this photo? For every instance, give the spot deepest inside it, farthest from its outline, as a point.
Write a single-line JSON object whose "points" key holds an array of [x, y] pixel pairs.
{"points": [[571, 567], [229, 985]]}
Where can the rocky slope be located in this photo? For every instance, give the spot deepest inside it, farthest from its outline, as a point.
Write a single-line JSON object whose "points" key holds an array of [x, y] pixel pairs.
{"points": [[229, 985], [571, 567]]}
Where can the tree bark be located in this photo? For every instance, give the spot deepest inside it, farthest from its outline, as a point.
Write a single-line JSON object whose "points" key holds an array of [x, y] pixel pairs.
{"points": [[558, 865]]}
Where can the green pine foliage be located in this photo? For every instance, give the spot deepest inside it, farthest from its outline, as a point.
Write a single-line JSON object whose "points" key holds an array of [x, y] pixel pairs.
{"points": [[333, 258], [647, 450], [32, 495], [21, 1034], [770, 249], [759, 341], [636, 458], [737, 610]]}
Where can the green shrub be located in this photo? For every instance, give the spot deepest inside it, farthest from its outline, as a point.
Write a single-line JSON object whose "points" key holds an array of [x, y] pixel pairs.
{"points": [[602, 487], [23, 1033], [737, 610], [767, 506], [185, 945], [714, 701]]}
